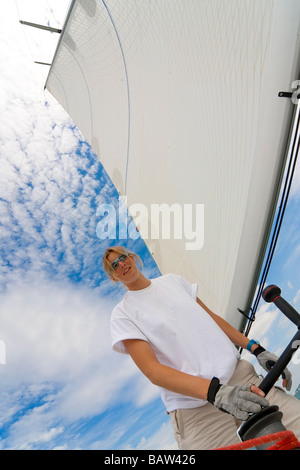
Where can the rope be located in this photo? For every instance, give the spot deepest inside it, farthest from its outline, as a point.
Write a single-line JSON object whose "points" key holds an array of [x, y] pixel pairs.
{"points": [[288, 442], [285, 440]]}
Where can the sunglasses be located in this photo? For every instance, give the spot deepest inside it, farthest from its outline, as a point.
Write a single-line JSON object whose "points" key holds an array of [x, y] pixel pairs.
{"points": [[115, 264]]}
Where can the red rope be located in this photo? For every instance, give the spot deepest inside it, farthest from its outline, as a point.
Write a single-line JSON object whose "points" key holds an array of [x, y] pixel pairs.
{"points": [[288, 442], [285, 440]]}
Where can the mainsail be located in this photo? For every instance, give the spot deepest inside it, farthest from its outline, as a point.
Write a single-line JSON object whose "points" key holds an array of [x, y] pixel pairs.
{"points": [[179, 99]]}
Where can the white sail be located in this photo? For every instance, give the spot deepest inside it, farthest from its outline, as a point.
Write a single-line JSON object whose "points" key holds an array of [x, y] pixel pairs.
{"points": [[179, 99]]}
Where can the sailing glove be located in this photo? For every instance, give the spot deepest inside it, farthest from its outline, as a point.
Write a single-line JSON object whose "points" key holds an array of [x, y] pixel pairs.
{"points": [[267, 361], [237, 400]]}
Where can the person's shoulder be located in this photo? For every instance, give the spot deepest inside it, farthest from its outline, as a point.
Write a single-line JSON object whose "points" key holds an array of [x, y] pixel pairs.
{"points": [[169, 278], [164, 278], [173, 277], [182, 284]]}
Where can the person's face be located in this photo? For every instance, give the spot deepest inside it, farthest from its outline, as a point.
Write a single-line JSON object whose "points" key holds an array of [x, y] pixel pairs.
{"points": [[126, 270]]}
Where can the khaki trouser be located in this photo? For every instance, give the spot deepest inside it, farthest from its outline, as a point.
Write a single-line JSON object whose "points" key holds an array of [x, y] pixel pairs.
{"points": [[207, 428]]}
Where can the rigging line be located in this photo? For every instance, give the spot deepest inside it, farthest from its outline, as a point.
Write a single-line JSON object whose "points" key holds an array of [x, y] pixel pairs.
{"points": [[275, 236], [128, 92], [30, 38], [294, 150], [52, 13], [24, 33], [11, 196], [286, 191]]}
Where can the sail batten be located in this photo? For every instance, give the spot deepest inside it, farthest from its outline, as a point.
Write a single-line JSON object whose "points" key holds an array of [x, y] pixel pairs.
{"points": [[180, 102]]}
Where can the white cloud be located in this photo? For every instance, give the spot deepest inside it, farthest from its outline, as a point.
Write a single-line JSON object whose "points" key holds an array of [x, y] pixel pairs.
{"points": [[150, 392], [59, 360], [163, 439], [60, 325], [265, 317], [59, 366], [297, 297], [45, 199]]}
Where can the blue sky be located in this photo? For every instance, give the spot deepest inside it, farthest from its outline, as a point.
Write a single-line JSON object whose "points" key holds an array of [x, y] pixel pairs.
{"points": [[62, 387]]}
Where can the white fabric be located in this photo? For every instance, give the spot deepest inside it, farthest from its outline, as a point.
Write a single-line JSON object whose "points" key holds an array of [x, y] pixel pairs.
{"points": [[180, 332], [179, 99]]}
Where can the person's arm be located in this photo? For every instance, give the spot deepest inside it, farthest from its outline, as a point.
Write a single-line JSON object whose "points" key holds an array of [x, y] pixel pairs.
{"points": [[240, 340], [164, 376], [169, 378], [234, 335]]}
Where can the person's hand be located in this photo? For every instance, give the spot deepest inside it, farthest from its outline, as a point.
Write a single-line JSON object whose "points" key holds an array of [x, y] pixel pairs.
{"points": [[267, 361], [240, 400]]}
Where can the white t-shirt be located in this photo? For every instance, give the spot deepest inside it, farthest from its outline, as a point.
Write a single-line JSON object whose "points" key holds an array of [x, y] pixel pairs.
{"points": [[180, 332]]}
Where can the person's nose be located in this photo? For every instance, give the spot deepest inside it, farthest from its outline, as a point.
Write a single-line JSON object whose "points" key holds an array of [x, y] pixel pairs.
{"points": [[122, 263]]}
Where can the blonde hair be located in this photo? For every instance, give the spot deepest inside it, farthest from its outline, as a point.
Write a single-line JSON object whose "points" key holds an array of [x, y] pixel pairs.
{"points": [[120, 250]]}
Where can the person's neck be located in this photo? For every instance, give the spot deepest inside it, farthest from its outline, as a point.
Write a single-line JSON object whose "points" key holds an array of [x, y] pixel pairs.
{"points": [[140, 283]]}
